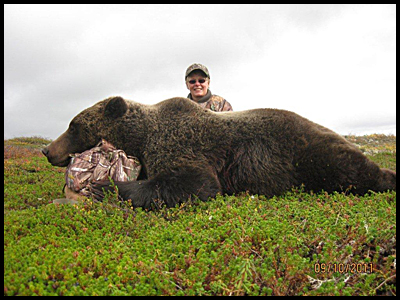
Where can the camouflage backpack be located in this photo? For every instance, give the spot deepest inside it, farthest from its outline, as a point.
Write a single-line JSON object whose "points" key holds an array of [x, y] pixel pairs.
{"points": [[102, 162]]}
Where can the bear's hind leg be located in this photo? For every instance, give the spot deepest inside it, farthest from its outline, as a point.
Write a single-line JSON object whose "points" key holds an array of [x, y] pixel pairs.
{"points": [[387, 181]]}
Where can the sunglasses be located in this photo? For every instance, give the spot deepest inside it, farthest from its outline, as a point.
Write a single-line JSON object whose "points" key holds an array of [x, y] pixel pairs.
{"points": [[194, 81]]}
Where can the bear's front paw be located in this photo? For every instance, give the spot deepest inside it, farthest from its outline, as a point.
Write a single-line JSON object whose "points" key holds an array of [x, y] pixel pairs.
{"points": [[99, 189]]}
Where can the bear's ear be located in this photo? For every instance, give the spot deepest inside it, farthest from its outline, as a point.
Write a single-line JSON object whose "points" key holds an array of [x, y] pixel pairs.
{"points": [[116, 107]]}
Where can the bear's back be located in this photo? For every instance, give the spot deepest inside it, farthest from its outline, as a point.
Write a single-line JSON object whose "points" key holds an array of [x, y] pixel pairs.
{"points": [[261, 122]]}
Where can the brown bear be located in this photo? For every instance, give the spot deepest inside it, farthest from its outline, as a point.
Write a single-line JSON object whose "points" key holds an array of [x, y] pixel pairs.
{"points": [[187, 151]]}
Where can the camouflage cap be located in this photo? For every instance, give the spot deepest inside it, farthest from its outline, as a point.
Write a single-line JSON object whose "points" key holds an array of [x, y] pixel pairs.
{"points": [[196, 66]]}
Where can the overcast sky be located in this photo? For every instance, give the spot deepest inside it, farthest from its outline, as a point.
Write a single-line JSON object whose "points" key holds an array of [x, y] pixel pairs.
{"points": [[333, 64]]}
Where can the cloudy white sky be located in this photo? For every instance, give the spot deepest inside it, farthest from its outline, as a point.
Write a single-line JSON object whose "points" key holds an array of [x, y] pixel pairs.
{"points": [[333, 64]]}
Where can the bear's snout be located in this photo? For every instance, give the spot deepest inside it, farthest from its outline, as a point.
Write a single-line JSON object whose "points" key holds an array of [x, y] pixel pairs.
{"points": [[45, 151], [54, 157]]}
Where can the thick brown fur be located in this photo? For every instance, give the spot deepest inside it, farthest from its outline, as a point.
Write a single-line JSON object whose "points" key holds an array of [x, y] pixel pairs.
{"points": [[188, 151]]}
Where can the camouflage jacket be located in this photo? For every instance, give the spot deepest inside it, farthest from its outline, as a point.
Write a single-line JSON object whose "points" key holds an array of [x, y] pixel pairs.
{"points": [[100, 163], [213, 102]]}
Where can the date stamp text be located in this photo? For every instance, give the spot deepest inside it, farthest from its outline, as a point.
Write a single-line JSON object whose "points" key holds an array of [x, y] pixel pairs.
{"points": [[343, 268]]}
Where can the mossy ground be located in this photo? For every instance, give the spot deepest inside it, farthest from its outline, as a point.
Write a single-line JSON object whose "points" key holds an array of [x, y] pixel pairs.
{"points": [[295, 244]]}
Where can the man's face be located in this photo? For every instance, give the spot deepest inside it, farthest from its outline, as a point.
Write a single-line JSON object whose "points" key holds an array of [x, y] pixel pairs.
{"points": [[198, 85]]}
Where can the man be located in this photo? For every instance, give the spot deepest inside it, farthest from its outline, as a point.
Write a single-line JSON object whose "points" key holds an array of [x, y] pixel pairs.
{"points": [[197, 80]]}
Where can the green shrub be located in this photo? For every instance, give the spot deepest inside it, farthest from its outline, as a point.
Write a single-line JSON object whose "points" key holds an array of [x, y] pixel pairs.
{"points": [[296, 244]]}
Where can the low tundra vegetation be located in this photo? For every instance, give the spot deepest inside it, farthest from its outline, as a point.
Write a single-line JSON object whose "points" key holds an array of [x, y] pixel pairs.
{"points": [[295, 244]]}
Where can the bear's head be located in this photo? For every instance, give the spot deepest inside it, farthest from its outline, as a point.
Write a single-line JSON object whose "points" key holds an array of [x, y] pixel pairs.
{"points": [[86, 130]]}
